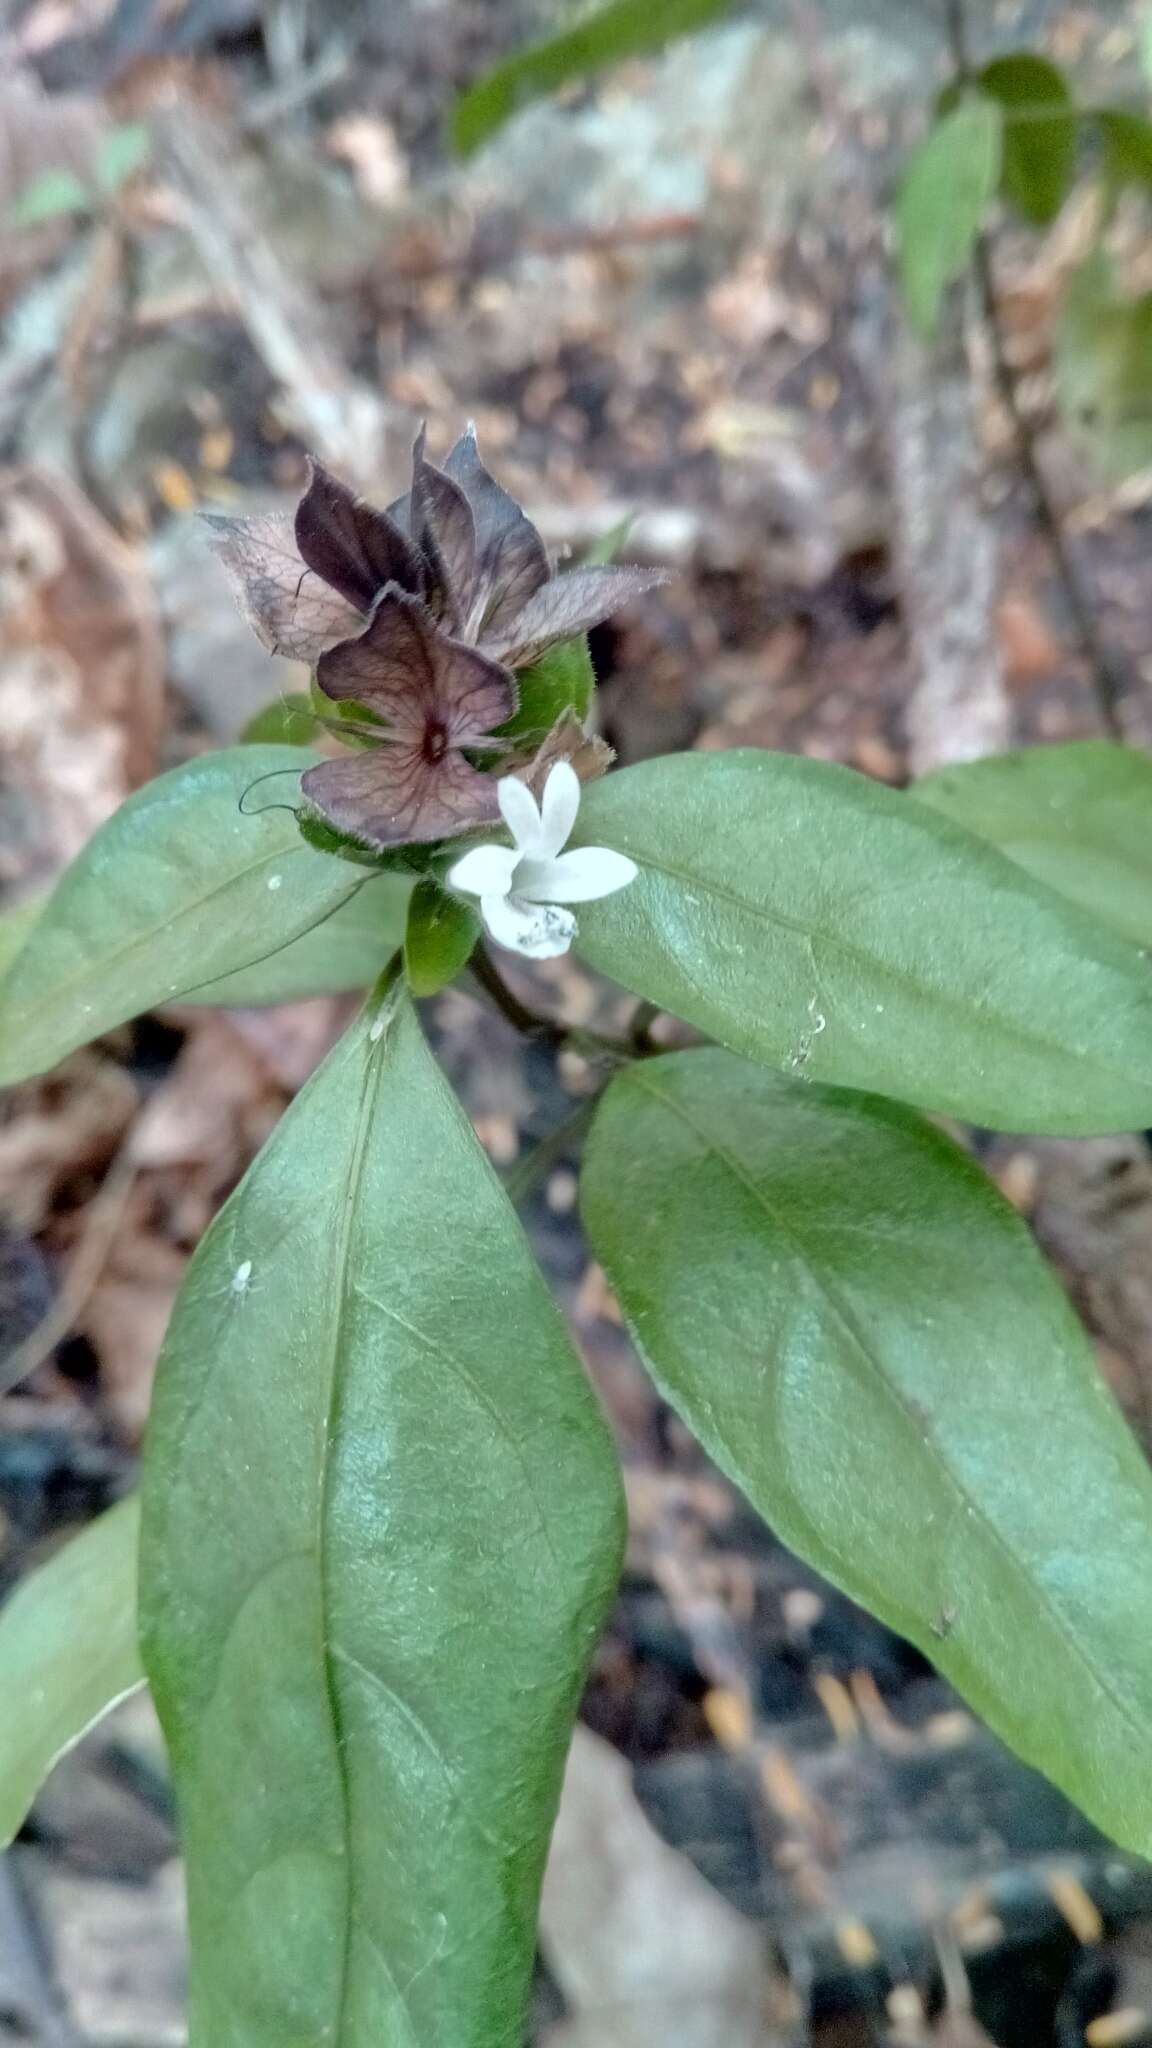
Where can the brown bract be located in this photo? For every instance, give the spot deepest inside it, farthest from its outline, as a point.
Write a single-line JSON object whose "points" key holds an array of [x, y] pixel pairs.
{"points": [[419, 613], [457, 539], [433, 696]]}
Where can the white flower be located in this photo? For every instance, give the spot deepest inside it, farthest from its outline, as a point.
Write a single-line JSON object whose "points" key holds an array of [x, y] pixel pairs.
{"points": [[521, 887]]}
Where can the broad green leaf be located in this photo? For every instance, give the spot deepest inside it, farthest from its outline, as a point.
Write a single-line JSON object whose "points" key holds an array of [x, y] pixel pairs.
{"points": [[1039, 133], [947, 189], [1078, 816], [346, 952], [441, 934], [15, 926], [1104, 367], [381, 1531], [862, 1334], [178, 889], [562, 680], [123, 151], [1127, 140], [623, 28], [67, 1654], [288, 720], [825, 924]]}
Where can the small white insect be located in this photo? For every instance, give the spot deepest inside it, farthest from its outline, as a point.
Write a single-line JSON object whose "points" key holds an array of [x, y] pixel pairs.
{"points": [[242, 1278], [274, 881]]}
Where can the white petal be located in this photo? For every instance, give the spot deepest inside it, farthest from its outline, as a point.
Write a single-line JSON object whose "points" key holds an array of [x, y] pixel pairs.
{"points": [[538, 930], [520, 813], [486, 871], [558, 807], [575, 877]]}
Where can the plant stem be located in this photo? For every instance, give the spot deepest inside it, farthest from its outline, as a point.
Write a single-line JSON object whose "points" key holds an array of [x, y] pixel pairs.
{"points": [[544, 1030], [1103, 668], [528, 1022], [522, 1178]]}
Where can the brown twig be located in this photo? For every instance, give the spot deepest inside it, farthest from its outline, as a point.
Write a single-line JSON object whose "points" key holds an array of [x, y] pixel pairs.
{"points": [[103, 1220], [1104, 669]]}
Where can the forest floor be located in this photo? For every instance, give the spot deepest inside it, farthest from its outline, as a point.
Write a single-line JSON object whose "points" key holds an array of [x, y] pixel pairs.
{"points": [[654, 302]]}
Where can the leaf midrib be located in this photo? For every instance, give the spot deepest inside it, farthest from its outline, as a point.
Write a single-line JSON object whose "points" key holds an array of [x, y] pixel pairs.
{"points": [[1065, 1632], [373, 1071]]}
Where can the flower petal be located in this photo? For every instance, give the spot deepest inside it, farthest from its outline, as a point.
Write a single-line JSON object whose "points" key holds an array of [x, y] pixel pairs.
{"points": [[486, 871], [287, 606], [352, 546], [566, 606], [412, 675], [520, 813], [393, 796], [510, 560], [558, 807], [537, 930], [578, 877]]}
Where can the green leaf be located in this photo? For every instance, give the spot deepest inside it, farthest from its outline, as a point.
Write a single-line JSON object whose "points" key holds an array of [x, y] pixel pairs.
{"points": [[178, 889], [67, 1654], [346, 952], [381, 1532], [947, 189], [1039, 156], [605, 550], [440, 936], [122, 152], [609, 35], [1077, 816], [562, 680], [1104, 367], [288, 721], [49, 196], [15, 927], [1127, 141], [862, 1334], [824, 924]]}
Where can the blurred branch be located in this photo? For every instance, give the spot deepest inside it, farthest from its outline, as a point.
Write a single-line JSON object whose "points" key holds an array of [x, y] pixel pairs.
{"points": [[1105, 671], [346, 422]]}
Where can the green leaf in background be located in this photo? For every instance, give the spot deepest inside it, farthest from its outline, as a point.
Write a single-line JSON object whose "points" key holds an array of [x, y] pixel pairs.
{"points": [[346, 952], [179, 888], [1077, 816], [562, 680], [861, 1333], [605, 550], [67, 1654], [1040, 126], [48, 197], [822, 923], [608, 35], [381, 1532], [123, 151], [1103, 359], [1127, 143], [440, 936], [288, 721], [947, 189]]}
